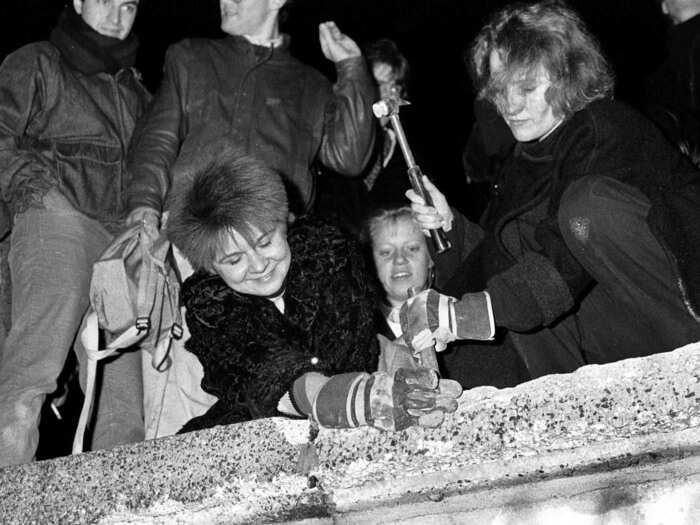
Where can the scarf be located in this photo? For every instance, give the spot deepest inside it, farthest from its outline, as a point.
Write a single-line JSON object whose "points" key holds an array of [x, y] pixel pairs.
{"points": [[89, 51]]}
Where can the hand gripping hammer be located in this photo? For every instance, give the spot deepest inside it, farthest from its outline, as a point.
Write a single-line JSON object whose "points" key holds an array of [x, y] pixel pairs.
{"points": [[389, 107]]}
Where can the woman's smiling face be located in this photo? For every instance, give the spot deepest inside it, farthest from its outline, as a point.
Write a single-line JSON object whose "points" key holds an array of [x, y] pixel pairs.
{"points": [[401, 257], [256, 268]]}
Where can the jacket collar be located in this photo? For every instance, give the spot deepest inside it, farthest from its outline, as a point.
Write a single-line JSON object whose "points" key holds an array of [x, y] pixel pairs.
{"points": [[243, 45], [89, 51]]}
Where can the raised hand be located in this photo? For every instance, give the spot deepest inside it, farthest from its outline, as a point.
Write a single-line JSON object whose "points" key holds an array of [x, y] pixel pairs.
{"points": [[336, 46]]}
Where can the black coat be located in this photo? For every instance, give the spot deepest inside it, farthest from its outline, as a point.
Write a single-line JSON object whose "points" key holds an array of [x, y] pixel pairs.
{"points": [[252, 353], [532, 287]]}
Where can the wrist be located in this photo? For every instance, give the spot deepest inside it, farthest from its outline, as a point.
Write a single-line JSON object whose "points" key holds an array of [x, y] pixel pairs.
{"points": [[351, 66]]}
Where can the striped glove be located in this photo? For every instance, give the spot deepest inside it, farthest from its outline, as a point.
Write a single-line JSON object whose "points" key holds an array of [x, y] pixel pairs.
{"points": [[431, 318], [387, 401]]}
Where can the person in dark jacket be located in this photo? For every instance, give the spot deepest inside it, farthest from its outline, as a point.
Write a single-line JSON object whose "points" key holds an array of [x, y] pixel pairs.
{"points": [[248, 88], [280, 316], [672, 92], [591, 245], [67, 110]]}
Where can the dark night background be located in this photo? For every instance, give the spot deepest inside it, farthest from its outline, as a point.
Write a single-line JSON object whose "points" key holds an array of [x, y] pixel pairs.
{"points": [[433, 35]]}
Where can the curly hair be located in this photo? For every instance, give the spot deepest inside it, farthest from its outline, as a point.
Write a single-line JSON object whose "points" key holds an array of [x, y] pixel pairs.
{"points": [[531, 37], [233, 192], [385, 50]]}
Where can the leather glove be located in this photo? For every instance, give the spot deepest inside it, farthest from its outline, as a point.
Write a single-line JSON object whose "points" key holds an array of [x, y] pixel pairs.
{"points": [[432, 318], [387, 401], [411, 397]]}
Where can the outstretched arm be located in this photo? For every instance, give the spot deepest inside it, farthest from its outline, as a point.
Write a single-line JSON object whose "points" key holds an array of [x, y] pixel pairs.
{"points": [[386, 401]]}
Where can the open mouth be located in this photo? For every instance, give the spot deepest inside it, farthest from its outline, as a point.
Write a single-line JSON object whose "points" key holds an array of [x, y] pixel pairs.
{"points": [[400, 276]]}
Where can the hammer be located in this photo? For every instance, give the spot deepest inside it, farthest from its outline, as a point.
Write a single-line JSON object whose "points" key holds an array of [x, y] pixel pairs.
{"points": [[389, 107], [426, 356]]}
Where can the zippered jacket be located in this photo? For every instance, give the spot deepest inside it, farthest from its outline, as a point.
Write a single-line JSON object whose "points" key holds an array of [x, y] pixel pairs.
{"points": [[271, 105], [61, 128]]}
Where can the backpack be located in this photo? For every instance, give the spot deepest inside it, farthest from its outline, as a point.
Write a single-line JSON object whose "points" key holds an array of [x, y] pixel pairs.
{"points": [[134, 295]]}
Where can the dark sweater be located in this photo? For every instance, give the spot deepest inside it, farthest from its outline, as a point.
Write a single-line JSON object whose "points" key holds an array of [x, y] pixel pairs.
{"points": [[524, 262]]}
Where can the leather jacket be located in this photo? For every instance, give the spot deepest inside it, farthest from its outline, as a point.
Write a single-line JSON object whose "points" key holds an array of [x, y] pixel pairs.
{"points": [[60, 128], [269, 104]]}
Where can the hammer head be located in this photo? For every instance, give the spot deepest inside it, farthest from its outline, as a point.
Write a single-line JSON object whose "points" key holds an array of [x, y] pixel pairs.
{"points": [[388, 106]]}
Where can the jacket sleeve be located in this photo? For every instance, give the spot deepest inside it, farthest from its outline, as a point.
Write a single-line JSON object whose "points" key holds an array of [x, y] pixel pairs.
{"points": [[464, 237], [542, 285], [348, 127], [157, 138], [23, 91], [537, 289]]}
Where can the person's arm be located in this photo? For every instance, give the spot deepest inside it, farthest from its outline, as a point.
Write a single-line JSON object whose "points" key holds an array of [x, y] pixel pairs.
{"points": [[156, 142], [348, 121], [541, 285], [464, 237], [386, 401], [536, 289], [24, 88]]}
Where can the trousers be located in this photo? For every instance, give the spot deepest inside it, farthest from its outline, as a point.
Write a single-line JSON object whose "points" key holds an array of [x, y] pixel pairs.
{"points": [[636, 306], [52, 249]]}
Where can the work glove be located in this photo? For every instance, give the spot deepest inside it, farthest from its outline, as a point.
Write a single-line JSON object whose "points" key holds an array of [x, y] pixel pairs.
{"points": [[431, 318], [386, 401]]}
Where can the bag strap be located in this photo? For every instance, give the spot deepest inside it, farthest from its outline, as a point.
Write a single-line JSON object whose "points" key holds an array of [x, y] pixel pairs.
{"points": [[156, 283], [90, 337], [149, 286]]}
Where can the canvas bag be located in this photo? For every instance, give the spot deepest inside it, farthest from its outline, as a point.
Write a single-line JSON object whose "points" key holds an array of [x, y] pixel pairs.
{"points": [[133, 300]]}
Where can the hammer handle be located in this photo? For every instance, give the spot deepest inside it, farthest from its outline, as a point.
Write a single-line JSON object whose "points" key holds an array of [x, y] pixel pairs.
{"points": [[415, 176], [438, 236], [428, 358]]}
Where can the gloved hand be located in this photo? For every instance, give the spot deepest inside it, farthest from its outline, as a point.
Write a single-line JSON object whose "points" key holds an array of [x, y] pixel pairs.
{"points": [[386, 401], [428, 319], [411, 397], [432, 318]]}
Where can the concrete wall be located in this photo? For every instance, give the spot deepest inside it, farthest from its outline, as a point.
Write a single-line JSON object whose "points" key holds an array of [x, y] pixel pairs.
{"points": [[608, 444]]}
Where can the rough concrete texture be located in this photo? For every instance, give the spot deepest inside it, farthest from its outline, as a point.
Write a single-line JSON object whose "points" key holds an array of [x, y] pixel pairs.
{"points": [[561, 444]]}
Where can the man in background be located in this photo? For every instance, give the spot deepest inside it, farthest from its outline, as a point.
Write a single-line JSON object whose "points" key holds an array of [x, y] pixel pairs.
{"points": [[248, 88]]}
